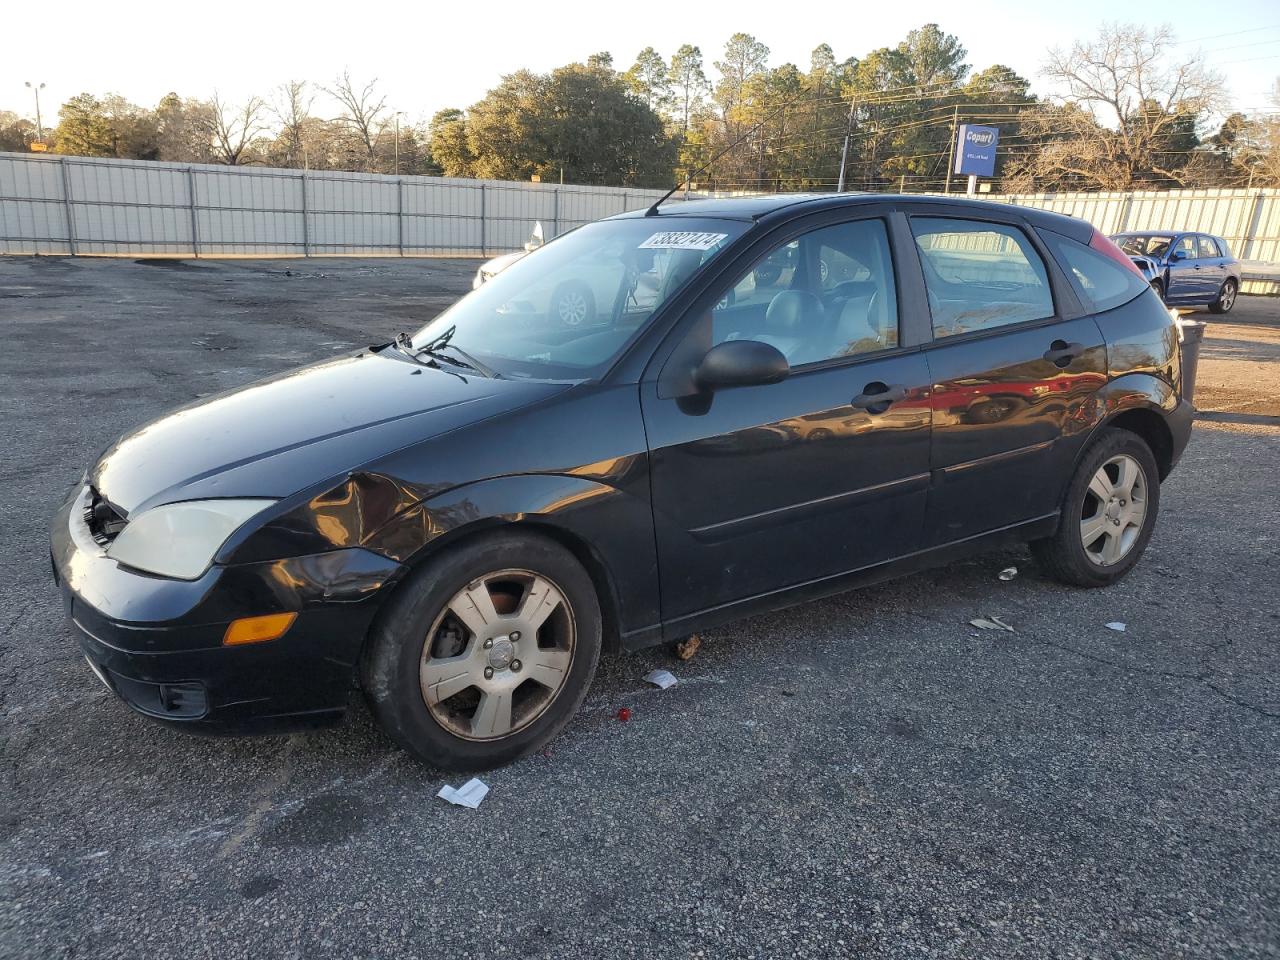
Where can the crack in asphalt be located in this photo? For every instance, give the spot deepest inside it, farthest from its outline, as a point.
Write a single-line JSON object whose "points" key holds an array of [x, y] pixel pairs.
{"points": [[1202, 678]]}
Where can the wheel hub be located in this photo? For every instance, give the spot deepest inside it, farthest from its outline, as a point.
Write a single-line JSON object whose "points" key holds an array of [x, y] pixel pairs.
{"points": [[501, 653]]}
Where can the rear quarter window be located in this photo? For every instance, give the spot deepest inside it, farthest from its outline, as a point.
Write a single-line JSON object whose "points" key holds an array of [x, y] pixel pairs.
{"points": [[1100, 281]]}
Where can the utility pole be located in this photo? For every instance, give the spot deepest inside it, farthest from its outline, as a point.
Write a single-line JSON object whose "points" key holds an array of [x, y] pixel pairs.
{"points": [[844, 154], [951, 157], [36, 88], [398, 115]]}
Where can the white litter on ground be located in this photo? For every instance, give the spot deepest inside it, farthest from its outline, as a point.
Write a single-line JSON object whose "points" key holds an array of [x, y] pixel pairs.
{"points": [[1116, 625], [662, 679], [991, 623], [468, 795], [1008, 573]]}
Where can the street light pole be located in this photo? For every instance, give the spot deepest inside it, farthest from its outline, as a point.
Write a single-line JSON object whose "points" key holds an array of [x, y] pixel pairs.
{"points": [[36, 88]]}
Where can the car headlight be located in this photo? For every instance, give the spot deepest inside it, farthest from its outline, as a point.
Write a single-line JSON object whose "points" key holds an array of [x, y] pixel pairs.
{"points": [[179, 540]]}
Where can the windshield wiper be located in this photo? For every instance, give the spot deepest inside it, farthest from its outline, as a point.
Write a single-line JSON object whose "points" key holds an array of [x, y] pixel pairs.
{"points": [[433, 347], [465, 359]]}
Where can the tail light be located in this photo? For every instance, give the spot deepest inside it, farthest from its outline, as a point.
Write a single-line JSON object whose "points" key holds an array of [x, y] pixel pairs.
{"points": [[1102, 243]]}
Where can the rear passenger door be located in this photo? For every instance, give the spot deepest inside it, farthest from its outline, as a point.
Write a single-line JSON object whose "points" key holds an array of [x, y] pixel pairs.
{"points": [[1012, 362], [1212, 265]]}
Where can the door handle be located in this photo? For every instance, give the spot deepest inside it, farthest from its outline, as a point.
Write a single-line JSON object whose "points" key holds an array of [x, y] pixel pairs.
{"points": [[1061, 353], [877, 397]]}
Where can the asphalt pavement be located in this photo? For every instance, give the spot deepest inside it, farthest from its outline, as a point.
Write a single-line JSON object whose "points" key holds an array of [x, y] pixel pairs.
{"points": [[866, 776]]}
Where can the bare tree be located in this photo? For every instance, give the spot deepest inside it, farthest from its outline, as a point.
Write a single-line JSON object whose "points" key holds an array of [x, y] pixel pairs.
{"points": [[292, 109], [232, 129], [362, 110], [1131, 109]]}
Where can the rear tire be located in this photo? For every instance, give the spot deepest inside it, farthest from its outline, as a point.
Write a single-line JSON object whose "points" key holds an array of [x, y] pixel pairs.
{"points": [[1108, 513], [1226, 298], [523, 651]]}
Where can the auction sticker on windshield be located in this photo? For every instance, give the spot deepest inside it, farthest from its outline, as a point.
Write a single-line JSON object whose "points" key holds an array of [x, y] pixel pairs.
{"points": [[683, 240]]}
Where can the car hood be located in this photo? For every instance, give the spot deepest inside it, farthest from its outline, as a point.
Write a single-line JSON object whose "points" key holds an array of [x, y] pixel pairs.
{"points": [[498, 264], [284, 434]]}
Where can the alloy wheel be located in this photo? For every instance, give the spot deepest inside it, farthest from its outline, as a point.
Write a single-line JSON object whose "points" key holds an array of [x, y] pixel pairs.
{"points": [[1227, 298], [498, 655], [1115, 508], [572, 308]]}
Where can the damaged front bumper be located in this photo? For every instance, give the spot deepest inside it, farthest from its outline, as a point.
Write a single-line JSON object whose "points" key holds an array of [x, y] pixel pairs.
{"points": [[158, 643]]}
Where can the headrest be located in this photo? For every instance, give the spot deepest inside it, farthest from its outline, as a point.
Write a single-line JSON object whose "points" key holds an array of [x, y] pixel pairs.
{"points": [[793, 311]]}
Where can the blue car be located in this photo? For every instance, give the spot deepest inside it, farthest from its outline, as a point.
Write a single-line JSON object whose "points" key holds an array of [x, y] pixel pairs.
{"points": [[1186, 269]]}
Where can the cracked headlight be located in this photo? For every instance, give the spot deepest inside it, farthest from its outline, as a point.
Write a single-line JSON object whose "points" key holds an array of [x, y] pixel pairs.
{"points": [[179, 540]]}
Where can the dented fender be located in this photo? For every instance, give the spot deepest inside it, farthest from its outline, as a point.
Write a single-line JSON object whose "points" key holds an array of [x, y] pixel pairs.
{"points": [[591, 517]]}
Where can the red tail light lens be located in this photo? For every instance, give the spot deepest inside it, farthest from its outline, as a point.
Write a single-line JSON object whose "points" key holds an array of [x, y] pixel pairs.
{"points": [[1104, 246]]}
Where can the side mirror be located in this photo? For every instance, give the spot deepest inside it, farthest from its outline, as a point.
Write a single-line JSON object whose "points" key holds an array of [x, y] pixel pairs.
{"points": [[741, 363], [1175, 255]]}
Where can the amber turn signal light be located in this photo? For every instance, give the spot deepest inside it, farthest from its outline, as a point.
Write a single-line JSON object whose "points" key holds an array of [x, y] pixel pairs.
{"points": [[272, 626]]}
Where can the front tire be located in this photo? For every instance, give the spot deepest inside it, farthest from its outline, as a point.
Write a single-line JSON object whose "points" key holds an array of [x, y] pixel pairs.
{"points": [[1108, 513], [1226, 298], [1158, 287], [485, 652]]}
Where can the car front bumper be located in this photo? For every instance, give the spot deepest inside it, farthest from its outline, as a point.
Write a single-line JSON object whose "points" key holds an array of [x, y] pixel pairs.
{"points": [[157, 642]]}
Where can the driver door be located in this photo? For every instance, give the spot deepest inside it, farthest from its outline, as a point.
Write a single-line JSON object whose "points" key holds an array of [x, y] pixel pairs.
{"points": [[1184, 275], [758, 489]]}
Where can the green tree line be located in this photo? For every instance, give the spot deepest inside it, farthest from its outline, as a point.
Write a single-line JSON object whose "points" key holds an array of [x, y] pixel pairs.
{"points": [[1127, 112]]}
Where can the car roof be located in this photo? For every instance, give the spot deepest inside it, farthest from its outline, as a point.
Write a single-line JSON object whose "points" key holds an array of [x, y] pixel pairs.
{"points": [[1166, 233], [759, 207]]}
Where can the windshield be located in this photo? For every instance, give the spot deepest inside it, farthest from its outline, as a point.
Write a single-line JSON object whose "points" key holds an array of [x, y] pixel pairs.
{"points": [[1144, 245], [567, 309]]}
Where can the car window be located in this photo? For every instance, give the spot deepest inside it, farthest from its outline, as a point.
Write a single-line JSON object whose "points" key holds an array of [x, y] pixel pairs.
{"points": [[568, 308], [1144, 245], [775, 271], [827, 294], [1207, 248], [1185, 248], [1102, 282], [980, 275]]}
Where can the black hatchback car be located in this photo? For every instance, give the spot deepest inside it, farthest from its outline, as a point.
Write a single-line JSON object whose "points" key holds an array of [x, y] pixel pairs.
{"points": [[462, 521]]}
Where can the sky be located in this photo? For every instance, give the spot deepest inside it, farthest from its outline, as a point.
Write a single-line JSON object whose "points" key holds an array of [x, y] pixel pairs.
{"points": [[426, 56]]}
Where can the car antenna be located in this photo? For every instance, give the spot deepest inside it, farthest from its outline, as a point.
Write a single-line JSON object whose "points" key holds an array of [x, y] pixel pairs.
{"points": [[653, 210]]}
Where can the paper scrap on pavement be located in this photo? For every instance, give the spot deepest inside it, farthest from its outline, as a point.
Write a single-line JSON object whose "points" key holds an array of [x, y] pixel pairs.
{"points": [[662, 679], [468, 795], [1008, 573], [991, 623], [1116, 625]]}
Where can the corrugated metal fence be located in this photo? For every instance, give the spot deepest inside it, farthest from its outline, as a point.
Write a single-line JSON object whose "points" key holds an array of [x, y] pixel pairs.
{"points": [[83, 205], [1249, 220], [91, 206]]}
